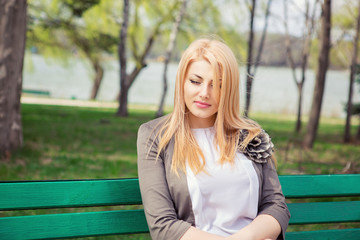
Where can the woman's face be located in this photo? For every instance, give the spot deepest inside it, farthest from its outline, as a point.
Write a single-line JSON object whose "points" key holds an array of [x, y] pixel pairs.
{"points": [[199, 95]]}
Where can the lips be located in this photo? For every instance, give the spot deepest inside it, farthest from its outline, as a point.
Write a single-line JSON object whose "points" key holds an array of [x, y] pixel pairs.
{"points": [[202, 104]]}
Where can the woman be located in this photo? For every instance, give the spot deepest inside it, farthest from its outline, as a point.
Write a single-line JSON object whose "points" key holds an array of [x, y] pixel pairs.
{"points": [[204, 171]]}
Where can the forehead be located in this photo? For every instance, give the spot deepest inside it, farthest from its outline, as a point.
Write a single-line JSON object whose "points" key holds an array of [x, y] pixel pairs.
{"points": [[201, 68]]}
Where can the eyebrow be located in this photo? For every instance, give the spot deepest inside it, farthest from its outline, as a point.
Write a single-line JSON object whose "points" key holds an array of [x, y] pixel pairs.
{"points": [[198, 76]]}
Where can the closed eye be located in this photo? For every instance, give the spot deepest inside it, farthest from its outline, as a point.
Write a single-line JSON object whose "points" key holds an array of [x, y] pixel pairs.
{"points": [[195, 82]]}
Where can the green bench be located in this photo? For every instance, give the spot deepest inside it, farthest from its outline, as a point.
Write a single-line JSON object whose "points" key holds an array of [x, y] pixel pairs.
{"points": [[29, 195], [36, 92]]}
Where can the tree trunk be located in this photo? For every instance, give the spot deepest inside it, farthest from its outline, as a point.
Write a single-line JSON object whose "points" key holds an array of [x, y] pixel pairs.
{"points": [[99, 73], [320, 76], [123, 98], [299, 110], [168, 53], [292, 65], [358, 133], [309, 23], [122, 110], [347, 134], [249, 77], [263, 37], [127, 80], [124, 91], [12, 49]]}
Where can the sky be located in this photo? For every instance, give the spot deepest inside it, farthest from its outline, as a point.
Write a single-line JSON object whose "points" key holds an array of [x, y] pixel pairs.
{"points": [[239, 16]]}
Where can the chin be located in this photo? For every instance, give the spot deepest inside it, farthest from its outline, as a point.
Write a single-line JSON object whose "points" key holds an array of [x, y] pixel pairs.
{"points": [[204, 116]]}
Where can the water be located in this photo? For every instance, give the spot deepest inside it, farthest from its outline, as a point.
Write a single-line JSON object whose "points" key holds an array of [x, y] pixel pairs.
{"points": [[274, 89]]}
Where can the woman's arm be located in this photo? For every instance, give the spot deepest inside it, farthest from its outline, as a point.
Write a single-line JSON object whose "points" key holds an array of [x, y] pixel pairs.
{"points": [[272, 200], [157, 201], [262, 227]]}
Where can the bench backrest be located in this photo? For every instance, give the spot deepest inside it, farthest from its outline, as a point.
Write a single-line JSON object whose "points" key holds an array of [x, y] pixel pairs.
{"points": [[326, 210], [27, 195]]}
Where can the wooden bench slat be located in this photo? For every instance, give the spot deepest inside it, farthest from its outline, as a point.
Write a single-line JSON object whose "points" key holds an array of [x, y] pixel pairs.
{"points": [[59, 194], [324, 212], [337, 234], [305, 186], [69, 225]]}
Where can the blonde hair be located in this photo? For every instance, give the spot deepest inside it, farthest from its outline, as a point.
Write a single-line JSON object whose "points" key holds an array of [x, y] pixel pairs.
{"points": [[228, 120]]}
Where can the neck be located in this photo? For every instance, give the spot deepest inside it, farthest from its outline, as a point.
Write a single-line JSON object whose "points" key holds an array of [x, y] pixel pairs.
{"points": [[201, 122]]}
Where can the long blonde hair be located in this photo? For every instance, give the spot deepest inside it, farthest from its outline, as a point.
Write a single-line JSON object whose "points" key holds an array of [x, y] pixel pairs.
{"points": [[228, 120]]}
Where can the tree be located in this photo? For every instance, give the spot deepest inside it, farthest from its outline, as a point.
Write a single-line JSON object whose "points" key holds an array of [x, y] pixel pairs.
{"points": [[69, 25], [323, 63], [12, 49], [249, 77], [204, 17], [356, 109], [356, 106], [122, 111], [306, 46], [160, 13], [262, 40], [347, 134], [252, 67], [168, 53]]}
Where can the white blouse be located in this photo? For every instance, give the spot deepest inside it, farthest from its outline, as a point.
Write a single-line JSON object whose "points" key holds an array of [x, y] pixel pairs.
{"points": [[225, 199]]}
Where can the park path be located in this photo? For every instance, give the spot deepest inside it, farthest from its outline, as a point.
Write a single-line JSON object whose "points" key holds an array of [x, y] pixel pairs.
{"points": [[67, 102]]}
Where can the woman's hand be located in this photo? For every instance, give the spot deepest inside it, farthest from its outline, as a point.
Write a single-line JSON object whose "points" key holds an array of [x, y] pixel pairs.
{"points": [[197, 234], [263, 227]]}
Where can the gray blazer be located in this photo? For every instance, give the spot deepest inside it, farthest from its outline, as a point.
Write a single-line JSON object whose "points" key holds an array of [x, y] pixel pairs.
{"points": [[166, 198]]}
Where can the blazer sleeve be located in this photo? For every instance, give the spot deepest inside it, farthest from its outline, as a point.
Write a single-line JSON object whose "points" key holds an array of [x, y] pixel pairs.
{"points": [[158, 204], [272, 200]]}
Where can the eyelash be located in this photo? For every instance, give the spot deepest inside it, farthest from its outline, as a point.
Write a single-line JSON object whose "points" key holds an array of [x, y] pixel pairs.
{"points": [[198, 83], [195, 82]]}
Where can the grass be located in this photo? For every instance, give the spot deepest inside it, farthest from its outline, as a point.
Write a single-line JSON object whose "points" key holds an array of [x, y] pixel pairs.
{"points": [[328, 156], [74, 143], [62, 142]]}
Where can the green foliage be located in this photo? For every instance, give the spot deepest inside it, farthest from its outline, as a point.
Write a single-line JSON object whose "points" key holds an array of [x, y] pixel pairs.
{"points": [[344, 20], [150, 20], [344, 16], [90, 28], [204, 19], [60, 27], [79, 7], [356, 109]]}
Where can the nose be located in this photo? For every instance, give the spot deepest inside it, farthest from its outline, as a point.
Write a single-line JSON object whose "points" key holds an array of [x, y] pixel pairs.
{"points": [[205, 91]]}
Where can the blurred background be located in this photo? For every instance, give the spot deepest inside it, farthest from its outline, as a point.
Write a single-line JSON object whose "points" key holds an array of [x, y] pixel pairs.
{"points": [[65, 65], [92, 71], [78, 78]]}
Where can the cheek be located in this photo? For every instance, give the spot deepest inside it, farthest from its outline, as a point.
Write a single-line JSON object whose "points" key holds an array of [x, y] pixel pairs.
{"points": [[186, 94], [188, 91]]}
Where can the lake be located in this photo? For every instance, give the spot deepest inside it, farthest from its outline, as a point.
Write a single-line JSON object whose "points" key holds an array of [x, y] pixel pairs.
{"points": [[274, 89]]}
